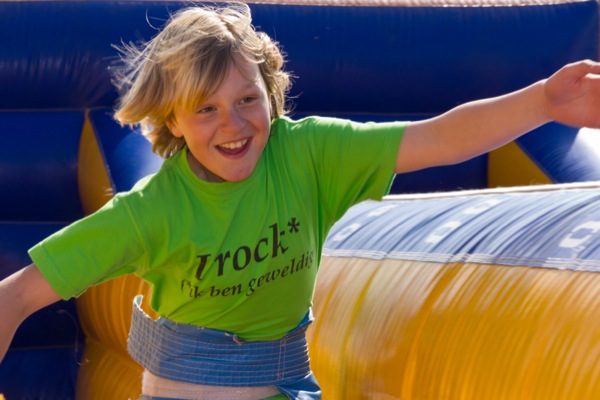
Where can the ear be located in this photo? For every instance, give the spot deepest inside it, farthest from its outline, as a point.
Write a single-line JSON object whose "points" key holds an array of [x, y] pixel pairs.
{"points": [[172, 125]]}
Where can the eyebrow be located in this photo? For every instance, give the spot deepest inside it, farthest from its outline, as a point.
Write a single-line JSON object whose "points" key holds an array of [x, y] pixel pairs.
{"points": [[251, 84]]}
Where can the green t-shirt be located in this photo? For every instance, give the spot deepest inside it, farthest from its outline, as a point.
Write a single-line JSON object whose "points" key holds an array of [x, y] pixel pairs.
{"points": [[236, 256]]}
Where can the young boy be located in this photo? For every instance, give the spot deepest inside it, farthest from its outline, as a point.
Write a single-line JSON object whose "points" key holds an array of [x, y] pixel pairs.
{"points": [[229, 232]]}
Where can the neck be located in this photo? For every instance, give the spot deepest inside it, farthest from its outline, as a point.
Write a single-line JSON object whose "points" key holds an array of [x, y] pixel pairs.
{"points": [[200, 170]]}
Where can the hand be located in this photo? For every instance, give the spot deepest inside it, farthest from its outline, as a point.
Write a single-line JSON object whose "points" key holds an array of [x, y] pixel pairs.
{"points": [[573, 94]]}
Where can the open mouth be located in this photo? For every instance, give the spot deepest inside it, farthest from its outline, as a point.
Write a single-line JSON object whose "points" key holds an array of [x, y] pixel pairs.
{"points": [[234, 148]]}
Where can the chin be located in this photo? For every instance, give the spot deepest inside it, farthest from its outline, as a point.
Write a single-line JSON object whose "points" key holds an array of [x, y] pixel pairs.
{"points": [[238, 177]]}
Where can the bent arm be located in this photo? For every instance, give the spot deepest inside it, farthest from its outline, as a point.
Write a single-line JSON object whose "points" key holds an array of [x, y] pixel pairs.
{"points": [[21, 294]]}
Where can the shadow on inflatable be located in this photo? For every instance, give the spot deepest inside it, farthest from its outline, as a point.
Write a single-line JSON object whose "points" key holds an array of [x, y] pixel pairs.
{"points": [[473, 281]]}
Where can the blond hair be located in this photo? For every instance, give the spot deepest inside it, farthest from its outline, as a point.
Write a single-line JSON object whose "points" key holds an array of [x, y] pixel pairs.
{"points": [[187, 62]]}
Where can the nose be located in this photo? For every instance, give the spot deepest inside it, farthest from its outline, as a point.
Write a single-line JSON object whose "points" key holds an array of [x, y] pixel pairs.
{"points": [[232, 120]]}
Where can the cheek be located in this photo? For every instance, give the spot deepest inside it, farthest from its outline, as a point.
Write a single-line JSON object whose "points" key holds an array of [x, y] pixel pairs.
{"points": [[266, 122]]}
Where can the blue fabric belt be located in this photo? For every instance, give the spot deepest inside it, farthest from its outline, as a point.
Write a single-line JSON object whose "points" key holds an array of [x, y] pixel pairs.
{"points": [[198, 355]]}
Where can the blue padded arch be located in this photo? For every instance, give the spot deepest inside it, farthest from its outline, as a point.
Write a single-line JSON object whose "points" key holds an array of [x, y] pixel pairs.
{"points": [[122, 147]]}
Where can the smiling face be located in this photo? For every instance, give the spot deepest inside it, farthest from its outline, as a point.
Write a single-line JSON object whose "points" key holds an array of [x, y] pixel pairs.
{"points": [[227, 132]]}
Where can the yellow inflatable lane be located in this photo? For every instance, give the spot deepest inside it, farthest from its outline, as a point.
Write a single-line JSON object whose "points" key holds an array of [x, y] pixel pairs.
{"points": [[489, 296]]}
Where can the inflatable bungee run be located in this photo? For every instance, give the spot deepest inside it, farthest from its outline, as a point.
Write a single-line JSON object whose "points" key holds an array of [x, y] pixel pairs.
{"points": [[474, 281]]}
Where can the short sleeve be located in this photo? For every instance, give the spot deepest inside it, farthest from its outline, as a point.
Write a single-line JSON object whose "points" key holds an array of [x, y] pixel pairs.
{"points": [[354, 161], [89, 251]]}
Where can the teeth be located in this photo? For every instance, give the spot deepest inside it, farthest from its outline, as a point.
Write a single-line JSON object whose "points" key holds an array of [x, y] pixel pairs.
{"points": [[234, 145]]}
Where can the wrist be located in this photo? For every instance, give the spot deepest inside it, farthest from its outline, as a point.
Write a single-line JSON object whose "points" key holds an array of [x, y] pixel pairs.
{"points": [[540, 105]]}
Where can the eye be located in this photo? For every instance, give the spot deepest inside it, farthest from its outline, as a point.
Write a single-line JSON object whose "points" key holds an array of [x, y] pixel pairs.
{"points": [[248, 99], [205, 110]]}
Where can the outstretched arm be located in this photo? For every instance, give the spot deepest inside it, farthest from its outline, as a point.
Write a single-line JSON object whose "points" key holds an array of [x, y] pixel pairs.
{"points": [[570, 96], [21, 294]]}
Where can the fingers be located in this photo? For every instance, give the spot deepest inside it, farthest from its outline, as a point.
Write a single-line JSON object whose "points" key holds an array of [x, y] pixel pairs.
{"points": [[584, 67]]}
